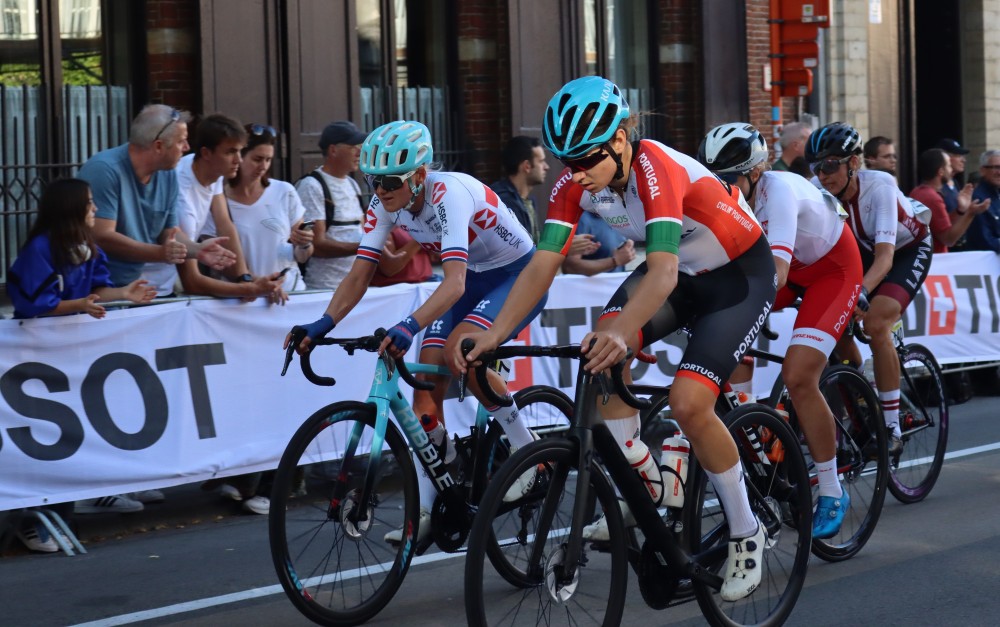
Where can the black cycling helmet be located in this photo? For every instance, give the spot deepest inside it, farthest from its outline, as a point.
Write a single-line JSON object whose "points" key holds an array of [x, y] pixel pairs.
{"points": [[833, 140]]}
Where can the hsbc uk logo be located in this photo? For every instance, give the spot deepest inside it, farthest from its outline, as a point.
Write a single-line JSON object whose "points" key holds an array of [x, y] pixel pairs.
{"points": [[485, 219], [370, 221], [437, 194]]}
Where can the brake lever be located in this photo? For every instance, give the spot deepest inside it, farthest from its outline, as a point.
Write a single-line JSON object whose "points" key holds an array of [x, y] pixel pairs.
{"points": [[461, 386], [297, 335], [602, 380]]}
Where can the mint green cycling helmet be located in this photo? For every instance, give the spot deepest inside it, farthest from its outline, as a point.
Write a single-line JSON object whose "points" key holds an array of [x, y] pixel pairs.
{"points": [[582, 115], [396, 148]]}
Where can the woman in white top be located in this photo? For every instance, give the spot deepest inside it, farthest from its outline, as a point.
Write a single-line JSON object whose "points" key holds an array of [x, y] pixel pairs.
{"points": [[268, 214]]}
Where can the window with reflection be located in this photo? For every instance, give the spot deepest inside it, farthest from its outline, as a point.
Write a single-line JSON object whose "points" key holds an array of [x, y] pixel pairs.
{"points": [[616, 43]]}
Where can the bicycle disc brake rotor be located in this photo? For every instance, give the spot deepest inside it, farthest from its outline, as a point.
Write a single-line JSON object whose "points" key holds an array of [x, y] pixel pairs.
{"points": [[355, 530], [451, 522], [560, 593], [657, 582]]}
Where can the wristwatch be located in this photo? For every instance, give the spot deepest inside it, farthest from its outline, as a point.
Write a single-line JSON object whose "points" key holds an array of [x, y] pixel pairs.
{"points": [[245, 278]]}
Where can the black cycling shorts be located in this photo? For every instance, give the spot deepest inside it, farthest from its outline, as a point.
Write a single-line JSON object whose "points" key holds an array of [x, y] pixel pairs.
{"points": [[724, 310], [910, 266]]}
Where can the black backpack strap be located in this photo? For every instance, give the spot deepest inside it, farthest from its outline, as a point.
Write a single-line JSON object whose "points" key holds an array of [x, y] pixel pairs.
{"points": [[328, 201]]}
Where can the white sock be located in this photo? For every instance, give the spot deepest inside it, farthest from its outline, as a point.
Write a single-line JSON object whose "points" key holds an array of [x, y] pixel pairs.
{"points": [[510, 421], [425, 485], [829, 484], [746, 387], [624, 429], [732, 494], [890, 409]]}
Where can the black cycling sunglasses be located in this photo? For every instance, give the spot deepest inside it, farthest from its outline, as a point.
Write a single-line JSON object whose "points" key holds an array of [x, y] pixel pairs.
{"points": [[587, 162], [260, 129], [388, 182], [175, 116], [828, 166]]}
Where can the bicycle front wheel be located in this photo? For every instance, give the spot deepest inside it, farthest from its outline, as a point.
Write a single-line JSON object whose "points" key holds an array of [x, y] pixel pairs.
{"points": [[862, 459], [533, 533], [923, 419], [326, 529], [781, 499]]}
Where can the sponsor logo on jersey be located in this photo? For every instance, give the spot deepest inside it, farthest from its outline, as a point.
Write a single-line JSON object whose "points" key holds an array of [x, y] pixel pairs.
{"points": [[688, 232], [370, 221], [601, 200], [437, 192], [508, 236], [650, 174], [485, 219]]}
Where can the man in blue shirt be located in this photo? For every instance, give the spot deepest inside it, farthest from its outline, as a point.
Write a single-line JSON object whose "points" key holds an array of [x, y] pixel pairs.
{"points": [[984, 232], [613, 251], [135, 190]]}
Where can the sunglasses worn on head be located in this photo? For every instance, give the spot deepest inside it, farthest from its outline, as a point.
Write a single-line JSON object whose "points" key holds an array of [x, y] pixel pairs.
{"points": [[388, 182], [260, 129], [828, 166], [175, 116], [587, 162]]}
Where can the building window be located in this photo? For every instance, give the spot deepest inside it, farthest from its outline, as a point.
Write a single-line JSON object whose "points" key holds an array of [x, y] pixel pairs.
{"points": [[617, 36]]}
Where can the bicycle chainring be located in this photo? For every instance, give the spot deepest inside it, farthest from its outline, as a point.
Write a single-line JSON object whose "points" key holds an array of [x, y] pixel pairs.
{"points": [[658, 583], [451, 521]]}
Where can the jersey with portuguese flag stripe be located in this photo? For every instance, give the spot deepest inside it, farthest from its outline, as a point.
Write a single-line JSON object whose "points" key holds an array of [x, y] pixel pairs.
{"points": [[671, 202], [461, 219]]}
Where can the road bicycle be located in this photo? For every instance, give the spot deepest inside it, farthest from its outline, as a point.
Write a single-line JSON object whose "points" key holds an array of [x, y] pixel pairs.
{"points": [[923, 420], [347, 477], [566, 579]]}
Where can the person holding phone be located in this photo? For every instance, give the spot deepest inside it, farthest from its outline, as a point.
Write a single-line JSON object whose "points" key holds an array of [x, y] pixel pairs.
{"points": [[268, 214]]}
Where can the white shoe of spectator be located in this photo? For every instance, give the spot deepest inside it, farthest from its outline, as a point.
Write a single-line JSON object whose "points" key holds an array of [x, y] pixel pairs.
{"points": [[257, 505], [119, 504], [147, 496], [37, 538], [230, 492]]}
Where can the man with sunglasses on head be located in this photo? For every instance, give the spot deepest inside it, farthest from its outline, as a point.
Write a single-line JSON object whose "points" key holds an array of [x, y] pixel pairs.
{"points": [[896, 248], [483, 249], [202, 212], [817, 259], [333, 201], [708, 267], [136, 194]]}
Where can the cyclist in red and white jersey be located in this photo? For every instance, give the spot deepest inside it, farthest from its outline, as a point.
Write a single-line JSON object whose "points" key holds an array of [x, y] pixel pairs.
{"points": [[896, 247], [707, 266], [483, 248], [817, 259]]}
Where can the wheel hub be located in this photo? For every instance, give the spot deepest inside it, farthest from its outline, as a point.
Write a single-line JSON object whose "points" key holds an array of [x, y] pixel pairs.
{"points": [[560, 592], [355, 529]]}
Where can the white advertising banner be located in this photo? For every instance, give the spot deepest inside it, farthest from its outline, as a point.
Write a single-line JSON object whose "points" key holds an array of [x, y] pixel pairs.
{"points": [[163, 395]]}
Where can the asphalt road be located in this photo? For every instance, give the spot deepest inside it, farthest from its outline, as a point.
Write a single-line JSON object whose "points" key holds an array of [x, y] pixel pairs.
{"points": [[933, 563]]}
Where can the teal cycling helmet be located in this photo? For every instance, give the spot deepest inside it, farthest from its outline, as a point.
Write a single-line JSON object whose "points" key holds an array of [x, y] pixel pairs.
{"points": [[396, 148], [582, 115]]}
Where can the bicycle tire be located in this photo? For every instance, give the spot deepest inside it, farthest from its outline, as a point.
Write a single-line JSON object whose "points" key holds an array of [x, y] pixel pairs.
{"points": [[923, 419], [782, 501], [861, 434], [336, 572], [554, 419], [597, 595]]}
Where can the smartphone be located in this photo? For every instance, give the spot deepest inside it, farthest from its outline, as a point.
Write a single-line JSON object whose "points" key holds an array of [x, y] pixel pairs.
{"points": [[284, 271], [307, 226]]}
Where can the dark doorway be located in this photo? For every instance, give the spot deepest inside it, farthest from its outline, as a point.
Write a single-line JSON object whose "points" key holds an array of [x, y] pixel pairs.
{"points": [[938, 88]]}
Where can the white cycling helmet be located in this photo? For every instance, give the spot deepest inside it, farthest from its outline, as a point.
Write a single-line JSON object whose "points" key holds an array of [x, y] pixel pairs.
{"points": [[734, 148]]}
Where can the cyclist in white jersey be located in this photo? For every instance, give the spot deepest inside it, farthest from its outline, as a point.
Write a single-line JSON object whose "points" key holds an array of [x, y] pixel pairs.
{"points": [[817, 259], [895, 244], [483, 249]]}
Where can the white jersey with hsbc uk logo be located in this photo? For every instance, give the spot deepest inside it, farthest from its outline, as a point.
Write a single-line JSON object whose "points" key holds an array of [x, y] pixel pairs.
{"points": [[880, 214], [802, 223], [461, 219]]}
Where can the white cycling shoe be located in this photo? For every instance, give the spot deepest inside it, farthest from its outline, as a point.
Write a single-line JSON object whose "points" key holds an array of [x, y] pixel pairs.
{"points": [[423, 529], [743, 567], [598, 531]]}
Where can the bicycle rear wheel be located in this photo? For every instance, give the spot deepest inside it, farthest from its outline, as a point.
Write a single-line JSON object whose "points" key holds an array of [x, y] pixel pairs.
{"points": [[781, 499], [862, 459], [326, 544], [923, 419], [549, 412], [533, 533]]}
